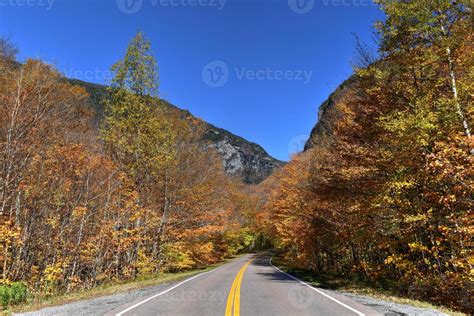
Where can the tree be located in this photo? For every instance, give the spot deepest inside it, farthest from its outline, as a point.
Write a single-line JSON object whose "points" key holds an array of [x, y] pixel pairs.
{"points": [[8, 50], [137, 72], [140, 140], [77, 208], [385, 196], [435, 32], [177, 179]]}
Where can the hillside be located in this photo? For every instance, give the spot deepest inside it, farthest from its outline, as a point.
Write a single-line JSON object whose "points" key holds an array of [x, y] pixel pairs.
{"points": [[241, 158], [382, 193], [328, 113]]}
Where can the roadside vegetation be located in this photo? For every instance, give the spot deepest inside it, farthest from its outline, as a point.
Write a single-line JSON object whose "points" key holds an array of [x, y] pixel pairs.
{"points": [[387, 197], [352, 283], [42, 300], [82, 206], [385, 200]]}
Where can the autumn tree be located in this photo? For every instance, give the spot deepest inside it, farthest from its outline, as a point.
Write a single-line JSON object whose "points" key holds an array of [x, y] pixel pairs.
{"points": [[428, 49], [435, 34], [39, 110], [137, 136], [181, 184], [387, 195]]}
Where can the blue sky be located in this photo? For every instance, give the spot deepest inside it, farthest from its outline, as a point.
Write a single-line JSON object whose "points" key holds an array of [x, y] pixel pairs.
{"points": [[258, 68]]}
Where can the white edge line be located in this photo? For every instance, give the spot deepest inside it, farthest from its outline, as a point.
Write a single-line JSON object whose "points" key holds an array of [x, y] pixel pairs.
{"points": [[319, 291], [166, 291]]}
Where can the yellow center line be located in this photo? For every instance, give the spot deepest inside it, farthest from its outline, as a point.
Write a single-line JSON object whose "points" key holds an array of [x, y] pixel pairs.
{"points": [[230, 299], [234, 295]]}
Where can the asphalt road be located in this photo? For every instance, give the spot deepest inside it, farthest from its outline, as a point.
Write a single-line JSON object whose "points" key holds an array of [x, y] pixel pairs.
{"points": [[249, 285]]}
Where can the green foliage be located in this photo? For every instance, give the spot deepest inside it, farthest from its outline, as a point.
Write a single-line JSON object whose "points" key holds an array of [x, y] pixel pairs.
{"points": [[139, 138], [411, 24], [14, 293], [19, 291], [238, 240], [138, 71], [5, 293], [177, 257]]}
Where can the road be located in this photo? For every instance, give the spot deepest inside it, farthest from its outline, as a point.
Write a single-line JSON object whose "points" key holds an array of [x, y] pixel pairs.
{"points": [[249, 285]]}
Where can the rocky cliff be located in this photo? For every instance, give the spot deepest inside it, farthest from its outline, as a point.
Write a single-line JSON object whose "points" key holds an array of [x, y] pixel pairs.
{"points": [[328, 114], [241, 158]]}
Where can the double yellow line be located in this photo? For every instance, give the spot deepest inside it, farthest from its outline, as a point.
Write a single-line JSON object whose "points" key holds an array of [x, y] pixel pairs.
{"points": [[234, 295]]}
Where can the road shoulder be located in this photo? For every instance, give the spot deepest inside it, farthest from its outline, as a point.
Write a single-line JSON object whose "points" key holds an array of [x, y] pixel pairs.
{"points": [[102, 299], [384, 307]]}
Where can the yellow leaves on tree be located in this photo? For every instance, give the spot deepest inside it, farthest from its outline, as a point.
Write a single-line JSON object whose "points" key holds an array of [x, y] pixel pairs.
{"points": [[75, 213], [387, 193]]}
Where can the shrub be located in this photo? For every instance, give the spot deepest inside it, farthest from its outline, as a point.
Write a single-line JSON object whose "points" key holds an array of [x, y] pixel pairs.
{"points": [[13, 294], [5, 292], [18, 292]]}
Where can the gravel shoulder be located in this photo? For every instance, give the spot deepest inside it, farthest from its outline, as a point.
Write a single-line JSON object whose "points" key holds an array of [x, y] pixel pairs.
{"points": [[390, 308], [99, 305]]}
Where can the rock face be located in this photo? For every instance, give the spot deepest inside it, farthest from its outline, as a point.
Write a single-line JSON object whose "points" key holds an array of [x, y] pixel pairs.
{"points": [[241, 158], [328, 114]]}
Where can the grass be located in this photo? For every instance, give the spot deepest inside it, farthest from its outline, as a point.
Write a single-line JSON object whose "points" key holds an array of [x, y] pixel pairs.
{"points": [[359, 287], [43, 300]]}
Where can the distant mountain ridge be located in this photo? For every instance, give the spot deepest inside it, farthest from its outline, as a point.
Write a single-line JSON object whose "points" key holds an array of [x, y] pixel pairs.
{"points": [[240, 157]]}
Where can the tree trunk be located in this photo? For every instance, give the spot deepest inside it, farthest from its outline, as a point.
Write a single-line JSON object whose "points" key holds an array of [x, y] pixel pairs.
{"points": [[454, 88]]}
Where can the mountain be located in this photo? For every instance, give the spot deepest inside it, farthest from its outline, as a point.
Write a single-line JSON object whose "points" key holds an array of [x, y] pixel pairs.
{"points": [[241, 158], [328, 113]]}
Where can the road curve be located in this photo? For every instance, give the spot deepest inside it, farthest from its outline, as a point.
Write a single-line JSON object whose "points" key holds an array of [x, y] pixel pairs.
{"points": [[249, 285]]}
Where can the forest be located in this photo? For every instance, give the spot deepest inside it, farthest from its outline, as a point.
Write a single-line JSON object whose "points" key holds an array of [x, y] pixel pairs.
{"points": [[81, 206], [386, 197]]}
